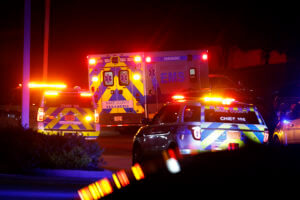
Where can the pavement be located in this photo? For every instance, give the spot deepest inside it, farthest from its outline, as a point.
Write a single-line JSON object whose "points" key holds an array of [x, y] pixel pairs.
{"points": [[48, 184]]}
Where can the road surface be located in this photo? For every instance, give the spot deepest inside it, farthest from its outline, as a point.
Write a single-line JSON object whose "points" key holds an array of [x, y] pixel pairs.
{"points": [[117, 149]]}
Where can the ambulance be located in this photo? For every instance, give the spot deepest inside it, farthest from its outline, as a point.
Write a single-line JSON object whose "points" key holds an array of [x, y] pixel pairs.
{"points": [[68, 112], [127, 87]]}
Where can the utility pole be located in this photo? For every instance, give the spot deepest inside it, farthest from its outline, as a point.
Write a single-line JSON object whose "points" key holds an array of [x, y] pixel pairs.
{"points": [[26, 64], [46, 40]]}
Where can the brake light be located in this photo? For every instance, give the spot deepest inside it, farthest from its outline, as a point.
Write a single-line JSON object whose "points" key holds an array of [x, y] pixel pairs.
{"points": [[266, 135], [196, 132], [41, 114], [233, 146], [137, 59], [204, 57], [96, 116], [92, 61]]}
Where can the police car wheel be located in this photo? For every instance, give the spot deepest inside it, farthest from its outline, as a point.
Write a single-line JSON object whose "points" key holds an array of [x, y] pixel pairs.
{"points": [[276, 140]]}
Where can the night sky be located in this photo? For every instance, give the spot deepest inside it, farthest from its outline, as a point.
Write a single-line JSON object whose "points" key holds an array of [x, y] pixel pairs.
{"points": [[82, 27]]}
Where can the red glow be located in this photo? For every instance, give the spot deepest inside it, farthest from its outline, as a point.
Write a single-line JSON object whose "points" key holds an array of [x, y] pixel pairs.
{"points": [[137, 59], [204, 56], [148, 59], [178, 97], [92, 61], [41, 114]]}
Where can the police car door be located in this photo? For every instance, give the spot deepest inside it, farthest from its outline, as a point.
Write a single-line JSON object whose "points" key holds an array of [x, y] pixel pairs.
{"points": [[162, 126], [294, 126]]}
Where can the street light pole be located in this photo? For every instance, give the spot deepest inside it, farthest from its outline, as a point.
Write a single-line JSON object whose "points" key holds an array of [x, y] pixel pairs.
{"points": [[26, 64], [46, 40]]}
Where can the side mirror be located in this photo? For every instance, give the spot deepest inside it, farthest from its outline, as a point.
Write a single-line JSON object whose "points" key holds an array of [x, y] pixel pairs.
{"points": [[145, 121]]}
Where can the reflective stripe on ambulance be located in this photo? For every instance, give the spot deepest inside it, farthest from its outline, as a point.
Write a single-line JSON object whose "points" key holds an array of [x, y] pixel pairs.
{"points": [[107, 95], [55, 119]]}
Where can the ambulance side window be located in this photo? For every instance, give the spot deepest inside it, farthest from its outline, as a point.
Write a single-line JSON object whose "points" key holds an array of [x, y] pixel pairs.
{"points": [[123, 77], [108, 78], [192, 114]]}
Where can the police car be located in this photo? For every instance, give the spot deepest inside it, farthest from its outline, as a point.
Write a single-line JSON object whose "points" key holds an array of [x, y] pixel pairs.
{"points": [[205, 124], [68, 112], [287, 130]]}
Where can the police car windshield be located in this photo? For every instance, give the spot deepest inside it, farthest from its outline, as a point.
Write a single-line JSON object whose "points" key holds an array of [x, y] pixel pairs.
{"points": [[68, 100], [230, 115]]}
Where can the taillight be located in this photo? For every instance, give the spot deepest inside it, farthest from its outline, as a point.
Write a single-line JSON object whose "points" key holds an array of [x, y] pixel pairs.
{"points": [[196, 132], [41, 114], [96, 116], [233, 146], [266, 135]]}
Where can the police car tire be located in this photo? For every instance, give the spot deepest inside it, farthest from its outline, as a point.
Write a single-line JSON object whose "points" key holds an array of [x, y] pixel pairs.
{"points": [[276, 140]]}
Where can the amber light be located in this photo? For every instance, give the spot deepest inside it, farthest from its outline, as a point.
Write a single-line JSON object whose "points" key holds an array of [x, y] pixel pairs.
{"points": [[92, 61], [137, 59], [178, 97]]}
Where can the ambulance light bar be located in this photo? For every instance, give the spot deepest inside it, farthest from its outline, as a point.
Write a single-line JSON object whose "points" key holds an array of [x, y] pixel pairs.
{"points": [[51, 93], [45, 85], [85, 94]]}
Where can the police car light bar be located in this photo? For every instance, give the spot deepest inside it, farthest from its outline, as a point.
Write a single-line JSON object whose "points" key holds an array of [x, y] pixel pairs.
{"points": [[225, 101], [178, 97]]}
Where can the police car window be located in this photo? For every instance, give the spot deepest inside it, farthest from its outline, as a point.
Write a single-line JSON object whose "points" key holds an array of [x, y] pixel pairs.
{"points": [[294, 112], [168, 114], [123, 77], [221, 82], [108, 78], [242, 116], [192, 114]]}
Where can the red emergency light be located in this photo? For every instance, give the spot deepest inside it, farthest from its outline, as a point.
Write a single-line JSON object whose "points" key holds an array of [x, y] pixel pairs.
{"points": [[204, 56], [148, 59], [178, 97]]}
